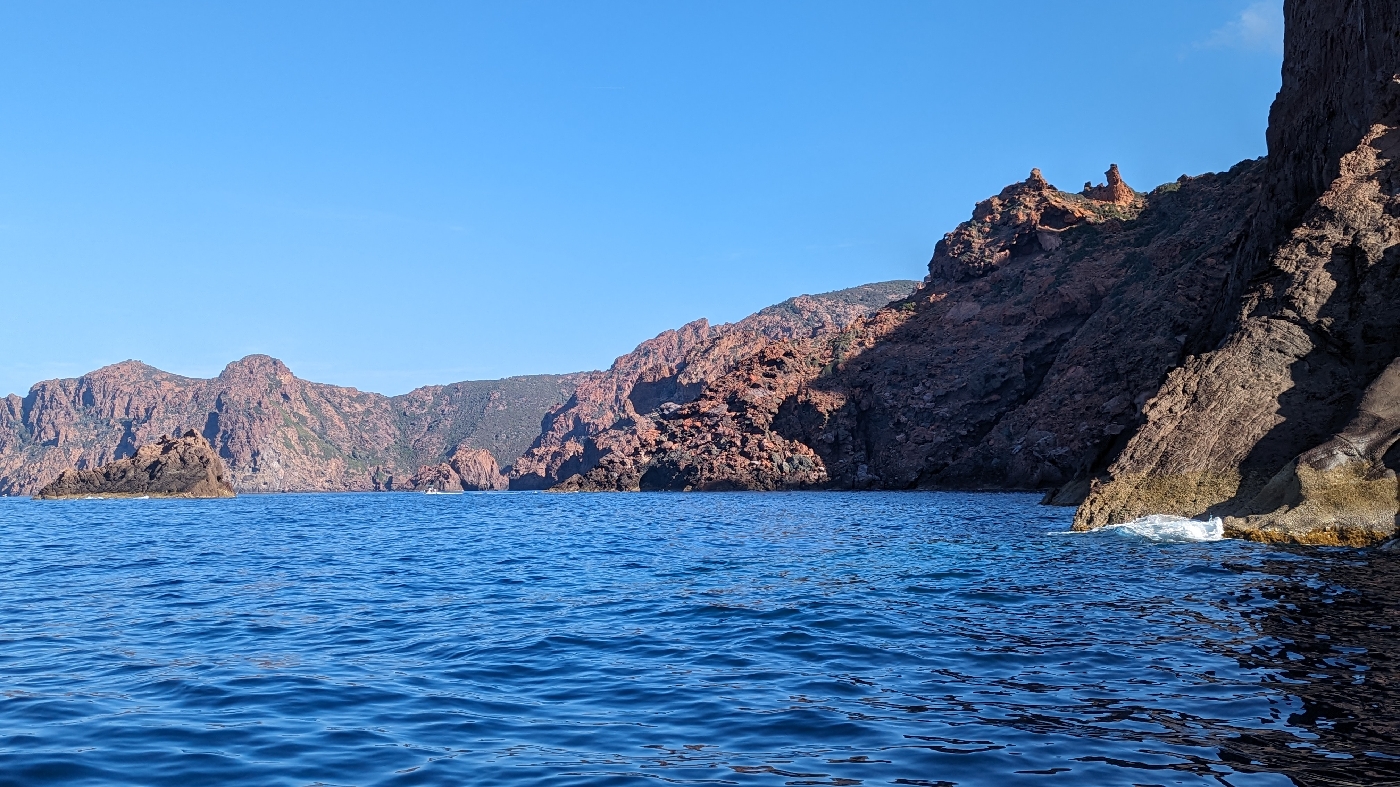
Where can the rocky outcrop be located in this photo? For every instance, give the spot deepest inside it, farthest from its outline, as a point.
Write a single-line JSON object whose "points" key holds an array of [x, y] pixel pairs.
{"points": [[174, 467], [274, 431], [1285, 428], [435, 478], [469, 470], [477, 471], [607, 409], [1046, 322], [1025, 218]]}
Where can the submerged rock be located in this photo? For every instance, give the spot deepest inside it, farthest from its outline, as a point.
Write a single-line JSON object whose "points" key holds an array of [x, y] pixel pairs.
{"points": [[174, 467]]}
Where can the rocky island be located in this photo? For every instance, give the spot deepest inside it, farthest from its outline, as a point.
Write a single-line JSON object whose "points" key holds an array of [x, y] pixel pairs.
{"points": [[184, 466]]}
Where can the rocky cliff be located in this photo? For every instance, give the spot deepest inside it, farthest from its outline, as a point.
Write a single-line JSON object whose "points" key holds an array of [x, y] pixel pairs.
{"points": [[1046, 321], [468, 470], [274, 431], [607, 408], [174, 467], [1287, 427], [1224, 344], [277, 432]]}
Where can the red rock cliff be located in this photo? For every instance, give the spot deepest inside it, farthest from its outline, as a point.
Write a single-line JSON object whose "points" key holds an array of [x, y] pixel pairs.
{"points": [[1287, 425]]}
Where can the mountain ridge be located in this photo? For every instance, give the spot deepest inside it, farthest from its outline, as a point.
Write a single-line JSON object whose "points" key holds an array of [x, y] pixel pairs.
{"points": [[277, 432]]}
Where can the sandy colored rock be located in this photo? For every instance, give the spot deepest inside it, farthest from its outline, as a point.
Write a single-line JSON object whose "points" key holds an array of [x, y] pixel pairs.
{"points": [[174, 467], [1114, 191]]}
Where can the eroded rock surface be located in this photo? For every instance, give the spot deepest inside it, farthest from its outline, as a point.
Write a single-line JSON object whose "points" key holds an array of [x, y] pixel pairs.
{"points": [[173, 467], [610, 409], [1045, 323], [469, 470], [1285, 427]]}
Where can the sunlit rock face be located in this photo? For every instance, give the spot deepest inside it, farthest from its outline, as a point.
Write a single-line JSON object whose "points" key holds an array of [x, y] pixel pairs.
{"points": [[183, 466], [274, 431]]}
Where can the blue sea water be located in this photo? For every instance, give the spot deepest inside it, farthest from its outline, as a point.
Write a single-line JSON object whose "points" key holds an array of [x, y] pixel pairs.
{"points": [[709, 639]]}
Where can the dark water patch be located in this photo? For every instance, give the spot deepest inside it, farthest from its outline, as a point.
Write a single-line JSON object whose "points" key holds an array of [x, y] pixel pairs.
{"points": [[785, 639]]}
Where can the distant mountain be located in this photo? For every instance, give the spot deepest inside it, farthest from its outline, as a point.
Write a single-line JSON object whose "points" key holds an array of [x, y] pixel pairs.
{"points": [[279, 433], [275, 432]]}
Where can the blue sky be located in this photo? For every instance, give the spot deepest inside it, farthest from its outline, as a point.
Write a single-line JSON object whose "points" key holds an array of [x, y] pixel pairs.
{"points": [[388, 195]]}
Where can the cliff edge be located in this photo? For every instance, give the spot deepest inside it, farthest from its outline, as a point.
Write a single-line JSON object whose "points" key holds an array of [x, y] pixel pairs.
{"points": [[1287, 428]]}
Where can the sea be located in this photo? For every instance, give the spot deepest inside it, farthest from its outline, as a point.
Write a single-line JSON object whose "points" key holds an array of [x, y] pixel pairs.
{"points": [[916, 638]]}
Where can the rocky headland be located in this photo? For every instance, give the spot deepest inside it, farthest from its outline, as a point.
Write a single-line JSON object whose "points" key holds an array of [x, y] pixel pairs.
{"points": [[1045, 322], [183, 466], [1221, 345], [610, 409]]}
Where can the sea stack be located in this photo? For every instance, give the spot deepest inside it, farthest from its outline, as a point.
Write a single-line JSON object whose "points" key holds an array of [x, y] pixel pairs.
{"points": [[184, 466]]}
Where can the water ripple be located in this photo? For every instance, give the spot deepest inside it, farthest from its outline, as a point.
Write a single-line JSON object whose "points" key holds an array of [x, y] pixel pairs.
{"points": [[746, 639]]}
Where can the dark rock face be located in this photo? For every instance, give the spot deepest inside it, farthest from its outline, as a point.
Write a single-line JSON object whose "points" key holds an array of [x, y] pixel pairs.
{"points": [[609, 409], [1046, 321], [274, 431], [1285, 427], [174, 467]]}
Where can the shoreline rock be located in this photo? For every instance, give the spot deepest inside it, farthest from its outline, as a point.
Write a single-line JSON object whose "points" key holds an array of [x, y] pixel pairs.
{"points": [[468, 470], [179, 467], [1287, 427]]}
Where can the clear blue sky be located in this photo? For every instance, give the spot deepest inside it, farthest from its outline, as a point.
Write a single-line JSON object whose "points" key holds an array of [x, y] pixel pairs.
{"points": [[393, 194]]}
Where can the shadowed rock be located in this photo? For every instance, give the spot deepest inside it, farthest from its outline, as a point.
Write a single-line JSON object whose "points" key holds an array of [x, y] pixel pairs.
{"points": [[1285, 427], [174, 467]]}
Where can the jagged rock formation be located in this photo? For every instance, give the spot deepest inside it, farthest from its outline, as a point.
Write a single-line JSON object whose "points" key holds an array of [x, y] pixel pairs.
{"points": [[607, 407], [1115, 191], [274, 431], [1046, 321], [1223, 345], [1286, 428], [1038, 351], [174, 467], [469, 470]]}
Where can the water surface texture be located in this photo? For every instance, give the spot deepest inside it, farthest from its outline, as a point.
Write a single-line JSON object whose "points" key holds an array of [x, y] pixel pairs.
{"points": [[746, 639]]}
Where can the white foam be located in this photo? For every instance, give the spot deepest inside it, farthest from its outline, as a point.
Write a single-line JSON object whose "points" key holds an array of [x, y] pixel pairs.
{"points": [[1168, 529]]}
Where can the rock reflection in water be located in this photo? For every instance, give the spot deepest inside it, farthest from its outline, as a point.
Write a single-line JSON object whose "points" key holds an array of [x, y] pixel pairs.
{"points": [[1329, 625]]}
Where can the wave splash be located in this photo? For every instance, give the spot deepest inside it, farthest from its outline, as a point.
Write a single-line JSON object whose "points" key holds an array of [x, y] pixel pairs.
{"points": [[1168, 529]]}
